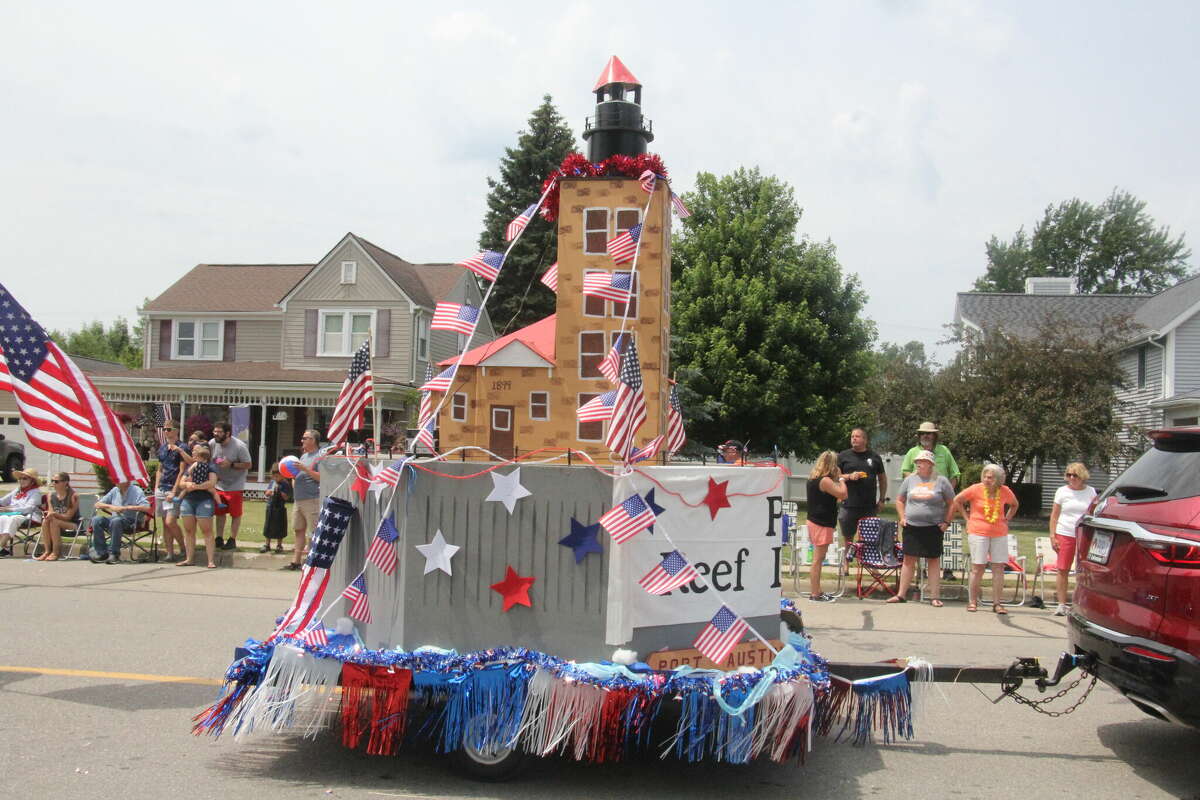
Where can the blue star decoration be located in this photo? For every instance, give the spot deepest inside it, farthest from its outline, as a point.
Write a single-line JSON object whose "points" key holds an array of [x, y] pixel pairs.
{"points": [[657, 509], [582, 539]]}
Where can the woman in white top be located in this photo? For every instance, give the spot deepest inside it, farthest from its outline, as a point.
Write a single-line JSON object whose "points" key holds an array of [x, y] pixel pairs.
{"points": [[1070, 503], [23, 504]]}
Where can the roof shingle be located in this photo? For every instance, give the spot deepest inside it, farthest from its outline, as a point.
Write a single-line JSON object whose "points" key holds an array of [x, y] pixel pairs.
{"points": [[230, 287]]}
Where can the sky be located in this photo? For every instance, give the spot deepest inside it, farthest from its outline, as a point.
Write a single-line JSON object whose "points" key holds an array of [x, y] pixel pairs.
{"points": [[140, 139]]}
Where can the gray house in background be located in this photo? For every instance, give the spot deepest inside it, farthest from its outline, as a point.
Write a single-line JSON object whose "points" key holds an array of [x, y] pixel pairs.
{"points": [[1161, 360], [278, 338]]}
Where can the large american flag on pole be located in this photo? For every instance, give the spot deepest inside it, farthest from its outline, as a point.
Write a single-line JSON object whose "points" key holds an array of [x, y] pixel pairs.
{"points": [[721, 635], [61, 411], [518, 224], [314, 577], [629, 407], [674, 571], [354, 397], [675, 434]]}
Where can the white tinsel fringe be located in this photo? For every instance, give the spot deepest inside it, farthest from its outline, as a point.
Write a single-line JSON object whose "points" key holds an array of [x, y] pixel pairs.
{"points": [[560, 715], [297, 691]]}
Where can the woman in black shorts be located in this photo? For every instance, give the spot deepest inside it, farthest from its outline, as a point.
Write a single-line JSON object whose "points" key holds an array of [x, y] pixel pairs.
{"points": [[924, 502]]}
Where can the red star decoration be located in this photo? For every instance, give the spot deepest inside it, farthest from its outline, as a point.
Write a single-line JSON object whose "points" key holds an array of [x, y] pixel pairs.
{"points": [[362, 481], [716, 499], [514, 589]]}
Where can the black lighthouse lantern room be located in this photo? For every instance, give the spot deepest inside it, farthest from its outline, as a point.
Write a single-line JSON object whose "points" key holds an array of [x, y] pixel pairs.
{"points": [[618, 125]]}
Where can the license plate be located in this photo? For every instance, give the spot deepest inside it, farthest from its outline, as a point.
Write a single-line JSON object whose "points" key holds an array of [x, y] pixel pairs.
{"points": [[1101, 547]]}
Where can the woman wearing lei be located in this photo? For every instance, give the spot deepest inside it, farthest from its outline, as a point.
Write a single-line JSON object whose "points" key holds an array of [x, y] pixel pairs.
{"points": [[987, 507]]}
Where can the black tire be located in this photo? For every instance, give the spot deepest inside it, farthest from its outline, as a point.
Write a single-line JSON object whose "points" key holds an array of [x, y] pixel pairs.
{"points": [[493, 765], [11, 465]]}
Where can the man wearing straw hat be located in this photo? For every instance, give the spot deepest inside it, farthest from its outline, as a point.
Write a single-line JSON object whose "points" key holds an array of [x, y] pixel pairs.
{"points": [[944, 463]]}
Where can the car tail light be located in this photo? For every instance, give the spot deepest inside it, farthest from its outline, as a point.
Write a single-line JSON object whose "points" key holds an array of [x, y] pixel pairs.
{"points": [[1150, 654], [1173, 555]]}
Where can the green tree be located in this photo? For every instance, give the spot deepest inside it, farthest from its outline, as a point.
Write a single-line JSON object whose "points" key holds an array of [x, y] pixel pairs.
{"points": [[898, 395], [1010, 400], [115, 342], [1115, 247], [518, 298], [768, 331]]}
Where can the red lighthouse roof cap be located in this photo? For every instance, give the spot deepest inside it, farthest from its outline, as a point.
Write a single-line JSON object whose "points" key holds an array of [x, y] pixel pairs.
{"points": [[615, 72]]}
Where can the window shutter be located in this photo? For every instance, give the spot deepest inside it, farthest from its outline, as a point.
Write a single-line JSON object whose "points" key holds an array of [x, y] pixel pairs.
{"points": [[164, 340], [310, 333], [229, 350], [383, 332]]}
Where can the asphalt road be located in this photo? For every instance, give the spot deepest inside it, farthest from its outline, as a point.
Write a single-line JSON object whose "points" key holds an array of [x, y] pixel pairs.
{"points": [[113, 734]]}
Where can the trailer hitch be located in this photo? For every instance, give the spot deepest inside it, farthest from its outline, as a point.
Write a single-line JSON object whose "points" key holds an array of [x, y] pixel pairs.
{"points": [[1066, 663]]}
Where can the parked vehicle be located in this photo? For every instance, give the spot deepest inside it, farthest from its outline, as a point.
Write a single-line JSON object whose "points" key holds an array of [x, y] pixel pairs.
{"points": [[12, 458], [1137, 597]]}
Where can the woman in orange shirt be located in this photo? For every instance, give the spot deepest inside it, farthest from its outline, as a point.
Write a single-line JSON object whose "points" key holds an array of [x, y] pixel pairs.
{"points": [[989, 506]]}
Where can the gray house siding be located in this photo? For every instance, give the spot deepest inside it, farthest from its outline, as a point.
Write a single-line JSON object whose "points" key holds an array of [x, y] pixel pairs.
{"points": [[254, 340], [1050, 476], [1187, 356], [1135, 410]]}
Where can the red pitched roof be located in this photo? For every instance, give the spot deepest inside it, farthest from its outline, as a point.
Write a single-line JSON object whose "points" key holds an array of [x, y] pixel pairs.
{"points": [[538, 337], [615, 72]]}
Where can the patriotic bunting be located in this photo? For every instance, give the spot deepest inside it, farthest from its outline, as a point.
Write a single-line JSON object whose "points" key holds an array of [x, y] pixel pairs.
{"points": [[455, 317], [629, 406], [721, 635], [550, 277], [486, 264], [354, 397], [517, 225], [674, 571], [360, 604], [628, 519], [623, 246], [609, 285]]}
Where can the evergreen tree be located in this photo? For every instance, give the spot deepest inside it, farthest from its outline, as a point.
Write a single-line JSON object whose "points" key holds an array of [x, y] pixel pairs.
{"points": [[519, 298], [768, 332]]}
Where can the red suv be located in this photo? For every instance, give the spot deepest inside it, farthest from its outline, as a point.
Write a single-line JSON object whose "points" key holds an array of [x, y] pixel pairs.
{"points": [[1137, 596]]}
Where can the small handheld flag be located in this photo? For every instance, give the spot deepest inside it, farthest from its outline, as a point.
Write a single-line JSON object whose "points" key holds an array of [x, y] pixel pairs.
{"points": [[598, 409], [486, 264], [609, 285], [610, 365], [441, 383], [550, 277], [628, 519], [382, 552], [675, 433], [360, 604], [518, 224], [316, 635], [680, 209], [623, 246], [649, 452], [721, 635], [629, 407], [673, 572], [455, 317], [354, 397]]}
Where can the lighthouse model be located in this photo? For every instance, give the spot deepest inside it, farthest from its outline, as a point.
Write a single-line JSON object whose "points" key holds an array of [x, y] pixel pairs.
{"points": [[522, 391]]}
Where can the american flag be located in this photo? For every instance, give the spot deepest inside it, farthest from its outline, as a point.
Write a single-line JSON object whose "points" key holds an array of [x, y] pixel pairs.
{"points": [[628, 519], [455, 317], [517, 225], [675, 435], [425, 434], [442, 382], [386, 476], [314, 577], [360, 604], [647, 181], [486, 264], [426, 408], [647, 453], [354, 397], [610, 365], [680, 209], [623, 246], [382, 552], [629, 407], [550, 277], [720, 635], [673, 572], [598, 409], [60, 409], [316, 635], [609, 285], [161, 412]]}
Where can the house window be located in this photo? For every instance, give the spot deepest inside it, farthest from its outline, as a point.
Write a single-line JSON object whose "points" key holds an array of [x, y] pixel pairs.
{"points": [[595, 231], [349, 271], [1141, 367], [591, 351], [458, 407], [1185, 422], [422, 338], [589, 431], [462, 342], [618, 308], [627, 218], [343, 332], [198, 338], [594, 306], [539, 405]]}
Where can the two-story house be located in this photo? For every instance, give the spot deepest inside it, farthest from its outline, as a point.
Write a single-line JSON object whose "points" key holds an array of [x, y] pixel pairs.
{"points": [[278, 338], [1160, 361]]}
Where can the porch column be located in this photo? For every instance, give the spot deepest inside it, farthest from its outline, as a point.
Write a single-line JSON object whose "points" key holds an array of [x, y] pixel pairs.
{"points": [[262, 443]]}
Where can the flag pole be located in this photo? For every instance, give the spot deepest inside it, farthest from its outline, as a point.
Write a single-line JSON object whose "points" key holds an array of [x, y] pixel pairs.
{"points": [[376, 411]]}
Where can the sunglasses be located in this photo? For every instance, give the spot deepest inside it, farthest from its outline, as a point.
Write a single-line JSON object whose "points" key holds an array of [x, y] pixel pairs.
{"points": [[1074, 475]]}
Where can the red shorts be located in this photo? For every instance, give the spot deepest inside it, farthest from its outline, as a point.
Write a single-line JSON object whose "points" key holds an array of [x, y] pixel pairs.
{"points": [[1066, 552], [233, 504], [819, 534]]}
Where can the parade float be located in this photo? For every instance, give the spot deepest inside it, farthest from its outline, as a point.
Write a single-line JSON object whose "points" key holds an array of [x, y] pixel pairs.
{"points": [[586, 597]]}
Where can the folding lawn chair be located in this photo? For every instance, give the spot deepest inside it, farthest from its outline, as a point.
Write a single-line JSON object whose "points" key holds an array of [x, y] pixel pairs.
{"points": [[1015, 566], [87, 509], [878, 554], [1047, 564], [144, 527], [30, 532]]}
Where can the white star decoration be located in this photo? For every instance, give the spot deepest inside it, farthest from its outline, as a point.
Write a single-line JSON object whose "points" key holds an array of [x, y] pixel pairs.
{"points": [[507, 489], [377, 486], [438, 554]]}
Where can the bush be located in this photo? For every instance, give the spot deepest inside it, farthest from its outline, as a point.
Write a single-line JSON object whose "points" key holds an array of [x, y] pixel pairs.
{"points": [[970, 473], [102, 479]]}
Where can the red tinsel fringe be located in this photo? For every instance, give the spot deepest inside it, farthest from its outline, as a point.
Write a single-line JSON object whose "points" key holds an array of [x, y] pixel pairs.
{"points": [[386, 692], [577, 165]]}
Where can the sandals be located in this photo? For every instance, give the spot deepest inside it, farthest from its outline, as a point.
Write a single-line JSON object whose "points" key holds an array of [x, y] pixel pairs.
{"points": [[972, 607], [211, 566], [185, 563], [935, 603], [896, 598], [998, 609]]}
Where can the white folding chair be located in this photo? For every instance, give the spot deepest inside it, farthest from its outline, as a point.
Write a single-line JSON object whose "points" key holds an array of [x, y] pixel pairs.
{"points": [[87, 509]]}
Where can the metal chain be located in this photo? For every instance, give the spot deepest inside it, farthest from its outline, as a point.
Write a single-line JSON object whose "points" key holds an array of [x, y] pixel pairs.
{"points": [[1036, 705]]}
